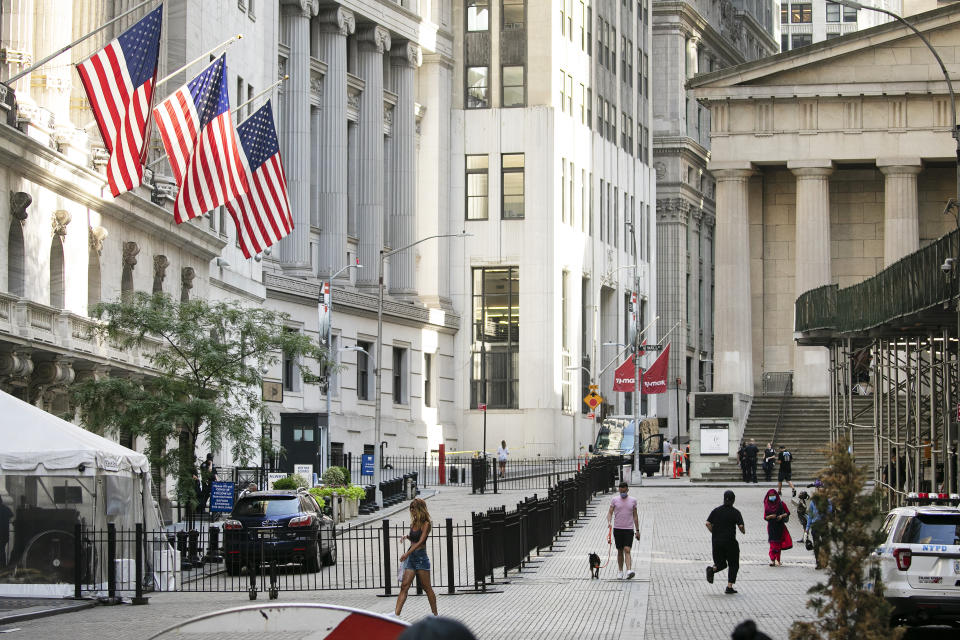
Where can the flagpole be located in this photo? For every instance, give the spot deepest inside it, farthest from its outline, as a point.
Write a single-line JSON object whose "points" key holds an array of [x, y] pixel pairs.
{"points": [[225, 43], [63, 50], [262, 93]]}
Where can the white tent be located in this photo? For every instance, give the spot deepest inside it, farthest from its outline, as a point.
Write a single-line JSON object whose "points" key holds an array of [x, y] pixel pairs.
{"points": [[55, 476]]}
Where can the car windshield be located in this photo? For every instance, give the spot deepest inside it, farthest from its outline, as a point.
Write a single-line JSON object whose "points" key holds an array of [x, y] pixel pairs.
{"points": [[926, 528], [267, 507]]}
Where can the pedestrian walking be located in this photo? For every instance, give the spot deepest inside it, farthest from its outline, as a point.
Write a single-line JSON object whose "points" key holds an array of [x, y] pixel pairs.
{"points": [[785, 458], [775, 512], [416, 562], [665, 457], [813, 530], [723, 523], [623, 510], [750, 452], [769, 460], [502, 454]]}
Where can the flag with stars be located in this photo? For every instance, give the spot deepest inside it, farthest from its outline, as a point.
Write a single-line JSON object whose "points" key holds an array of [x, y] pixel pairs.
{"points": [[201, 143], [262, 215], [119, 81]]}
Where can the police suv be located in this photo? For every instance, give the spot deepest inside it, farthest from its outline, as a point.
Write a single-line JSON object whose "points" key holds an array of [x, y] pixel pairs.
{"points": [[920, 559]]}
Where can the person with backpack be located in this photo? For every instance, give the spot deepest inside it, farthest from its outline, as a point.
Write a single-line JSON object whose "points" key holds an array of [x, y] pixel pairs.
{"points": [[785, 458]]}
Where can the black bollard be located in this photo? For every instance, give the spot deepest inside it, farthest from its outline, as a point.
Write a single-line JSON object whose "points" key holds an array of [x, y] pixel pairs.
{"points": [[194, 548]]}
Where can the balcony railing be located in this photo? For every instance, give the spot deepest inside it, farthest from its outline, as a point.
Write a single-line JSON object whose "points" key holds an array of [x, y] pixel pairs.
{"points": [[913, 284]]}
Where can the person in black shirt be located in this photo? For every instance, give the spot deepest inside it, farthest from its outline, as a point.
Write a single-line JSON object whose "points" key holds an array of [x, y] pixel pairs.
{"points": [[769, 459], [723, 523], [785, 458], [750, 452]]}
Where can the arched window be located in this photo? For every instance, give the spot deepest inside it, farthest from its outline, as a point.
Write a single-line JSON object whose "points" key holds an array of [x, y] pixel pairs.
{"points": [[16, 267], [56, 273], [93, 279]]}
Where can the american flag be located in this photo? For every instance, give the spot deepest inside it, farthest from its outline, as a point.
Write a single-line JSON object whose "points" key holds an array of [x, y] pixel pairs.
{"points": [[119, 81], [201, 143], [262, 215]]}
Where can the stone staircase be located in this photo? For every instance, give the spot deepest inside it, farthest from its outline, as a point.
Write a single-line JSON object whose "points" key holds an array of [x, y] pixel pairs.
{"points": [[804, 430]]}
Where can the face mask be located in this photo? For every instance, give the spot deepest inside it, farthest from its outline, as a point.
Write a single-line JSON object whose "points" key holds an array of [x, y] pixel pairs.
{"points": [[772, 498], [623, 494]]}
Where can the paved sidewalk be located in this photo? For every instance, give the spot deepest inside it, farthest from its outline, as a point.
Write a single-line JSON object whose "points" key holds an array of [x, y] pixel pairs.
{"points": [[554, 597]]}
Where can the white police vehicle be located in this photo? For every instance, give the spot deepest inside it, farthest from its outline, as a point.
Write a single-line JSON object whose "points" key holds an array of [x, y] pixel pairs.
{"points": [[920, 559]]}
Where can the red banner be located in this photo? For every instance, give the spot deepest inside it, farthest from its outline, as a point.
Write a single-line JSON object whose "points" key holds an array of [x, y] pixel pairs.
{"points": [[654, 379]]}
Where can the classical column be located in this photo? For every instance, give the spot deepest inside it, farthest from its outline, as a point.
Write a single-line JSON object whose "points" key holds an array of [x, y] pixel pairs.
{"points": [[733, 337], [901, 216], [372, 43], [333, 27], [811, 264], [403, 61], [295, 132]]}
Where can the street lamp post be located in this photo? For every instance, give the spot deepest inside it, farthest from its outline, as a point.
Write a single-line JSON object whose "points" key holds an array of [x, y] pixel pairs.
{"points": [[376, 420], [327, 299], [573, 412]]}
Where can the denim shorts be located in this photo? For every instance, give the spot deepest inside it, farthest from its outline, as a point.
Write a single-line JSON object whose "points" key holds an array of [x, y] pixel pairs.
{"points": [[418, 560]]}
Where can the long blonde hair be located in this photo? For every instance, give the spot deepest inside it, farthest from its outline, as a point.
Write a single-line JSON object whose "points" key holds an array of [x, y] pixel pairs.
{"points": [[418, 513]]}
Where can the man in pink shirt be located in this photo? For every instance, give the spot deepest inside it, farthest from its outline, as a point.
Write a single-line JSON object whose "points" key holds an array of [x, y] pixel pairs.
{"points": [[623, 510]]}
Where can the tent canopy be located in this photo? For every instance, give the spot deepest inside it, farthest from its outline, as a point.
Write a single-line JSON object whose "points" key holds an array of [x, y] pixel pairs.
{"points": [[39, 442]]}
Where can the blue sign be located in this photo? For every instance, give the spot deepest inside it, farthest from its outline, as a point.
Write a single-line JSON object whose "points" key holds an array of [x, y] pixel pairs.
{"points": [[221, 497], [366, 464]]}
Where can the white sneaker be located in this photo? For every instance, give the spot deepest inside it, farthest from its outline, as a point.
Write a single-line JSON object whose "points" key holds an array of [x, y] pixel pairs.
{"points": [[630, 574], [392, 615], [620, 575]]}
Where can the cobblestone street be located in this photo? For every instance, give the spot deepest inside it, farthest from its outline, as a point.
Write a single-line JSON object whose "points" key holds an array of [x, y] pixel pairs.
{"points": [[555, 597]]}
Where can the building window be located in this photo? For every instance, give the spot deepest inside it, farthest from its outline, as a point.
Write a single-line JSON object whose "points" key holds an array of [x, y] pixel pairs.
{"points": [[363, 370], [590, 31], [785, 13], [496, 337], [800, 40], [833, 12], [801, 13], [512, 14], [478, 15], [477, 187], [849, 14], [590, 108], [337, 458], [428, 399], [784, 42], [513, 86], [477, 88], [399, 375], [511, 179], [291, 372]]}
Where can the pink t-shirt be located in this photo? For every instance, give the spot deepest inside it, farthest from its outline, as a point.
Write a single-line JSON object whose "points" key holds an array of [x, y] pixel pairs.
{"points": [[623, 511]]}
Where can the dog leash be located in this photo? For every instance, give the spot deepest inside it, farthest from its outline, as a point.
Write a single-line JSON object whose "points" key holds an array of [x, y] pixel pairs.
{"points": [[609, 546]]}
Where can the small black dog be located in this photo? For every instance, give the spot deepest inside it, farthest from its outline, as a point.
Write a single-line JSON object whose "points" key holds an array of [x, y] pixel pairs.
{"points": [[594, 566]]}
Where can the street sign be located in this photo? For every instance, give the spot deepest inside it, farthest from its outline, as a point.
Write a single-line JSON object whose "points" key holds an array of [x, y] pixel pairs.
{"points": [[273, 477], [593, 387], [482, 407], [305, 470], [221, 497], [366, 464], [593, 400], [591, 416]]}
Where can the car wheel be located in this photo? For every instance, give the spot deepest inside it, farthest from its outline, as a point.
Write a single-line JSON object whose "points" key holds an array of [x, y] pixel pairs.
{"points": [[233, 568], [330, 557], [313, 562]]}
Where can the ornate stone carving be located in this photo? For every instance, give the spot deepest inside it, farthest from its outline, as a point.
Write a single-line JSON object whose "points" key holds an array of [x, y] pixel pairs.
{"points": [[407, 55], [187, 274], [61, 218], [160, 264], [96, 236], [661, 170], [387, 116], [305, 8], [15, 367], [49, 381], [99, 157], [19, 201], [281, 68], [377, 37], [341, 20], [316, 84], [130, 251]]}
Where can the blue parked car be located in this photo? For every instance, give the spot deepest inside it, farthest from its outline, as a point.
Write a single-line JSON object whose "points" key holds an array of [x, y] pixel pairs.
{"points": [[278, 526]]}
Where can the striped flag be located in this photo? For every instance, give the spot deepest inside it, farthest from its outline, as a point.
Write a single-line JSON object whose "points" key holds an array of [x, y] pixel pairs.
{"points": [[262, 215], [119, 81], [201, 143]]}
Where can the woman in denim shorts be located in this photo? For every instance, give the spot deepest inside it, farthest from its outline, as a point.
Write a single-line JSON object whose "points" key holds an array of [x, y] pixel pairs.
{"points": [[415, 561]]}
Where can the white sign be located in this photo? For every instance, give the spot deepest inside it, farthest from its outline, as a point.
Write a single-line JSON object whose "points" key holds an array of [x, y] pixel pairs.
{"points": [[273, 477], [306, 470], [714, 439]]}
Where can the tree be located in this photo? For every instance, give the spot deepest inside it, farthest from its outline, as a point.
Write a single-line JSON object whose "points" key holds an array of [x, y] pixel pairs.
{"points": [[208, 360], [850, 606]]}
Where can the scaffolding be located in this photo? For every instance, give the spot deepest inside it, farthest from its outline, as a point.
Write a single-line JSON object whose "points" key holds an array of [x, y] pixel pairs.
{"points": [[894, 369]]}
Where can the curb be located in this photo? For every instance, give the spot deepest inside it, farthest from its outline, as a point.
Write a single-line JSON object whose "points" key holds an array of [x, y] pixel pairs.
{"points": [[45, 613]]}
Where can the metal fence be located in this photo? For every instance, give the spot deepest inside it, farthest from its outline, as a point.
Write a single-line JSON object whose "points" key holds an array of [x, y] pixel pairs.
{"points": [[463, 555]]}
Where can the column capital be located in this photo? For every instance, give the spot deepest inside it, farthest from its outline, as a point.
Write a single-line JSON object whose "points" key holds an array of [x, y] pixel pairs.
{"points": [[811, 168], [303, 8], [406, 55], [374, 38], [899, 166], [337, 20], [730, 174]]}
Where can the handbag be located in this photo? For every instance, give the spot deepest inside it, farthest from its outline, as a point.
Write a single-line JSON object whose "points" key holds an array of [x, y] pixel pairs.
{"points": [[807, 542]]}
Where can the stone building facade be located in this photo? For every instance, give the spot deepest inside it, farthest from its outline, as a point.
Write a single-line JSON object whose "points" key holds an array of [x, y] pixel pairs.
{"points": [[832, 162], [691, 38]]}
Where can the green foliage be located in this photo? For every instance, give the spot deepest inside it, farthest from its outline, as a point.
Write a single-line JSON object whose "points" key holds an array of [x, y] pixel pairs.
{"points": [[850, 606], [333, 477], [352, 492], [291, 482], [346, 476], [206, 386], [318, 495]]}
